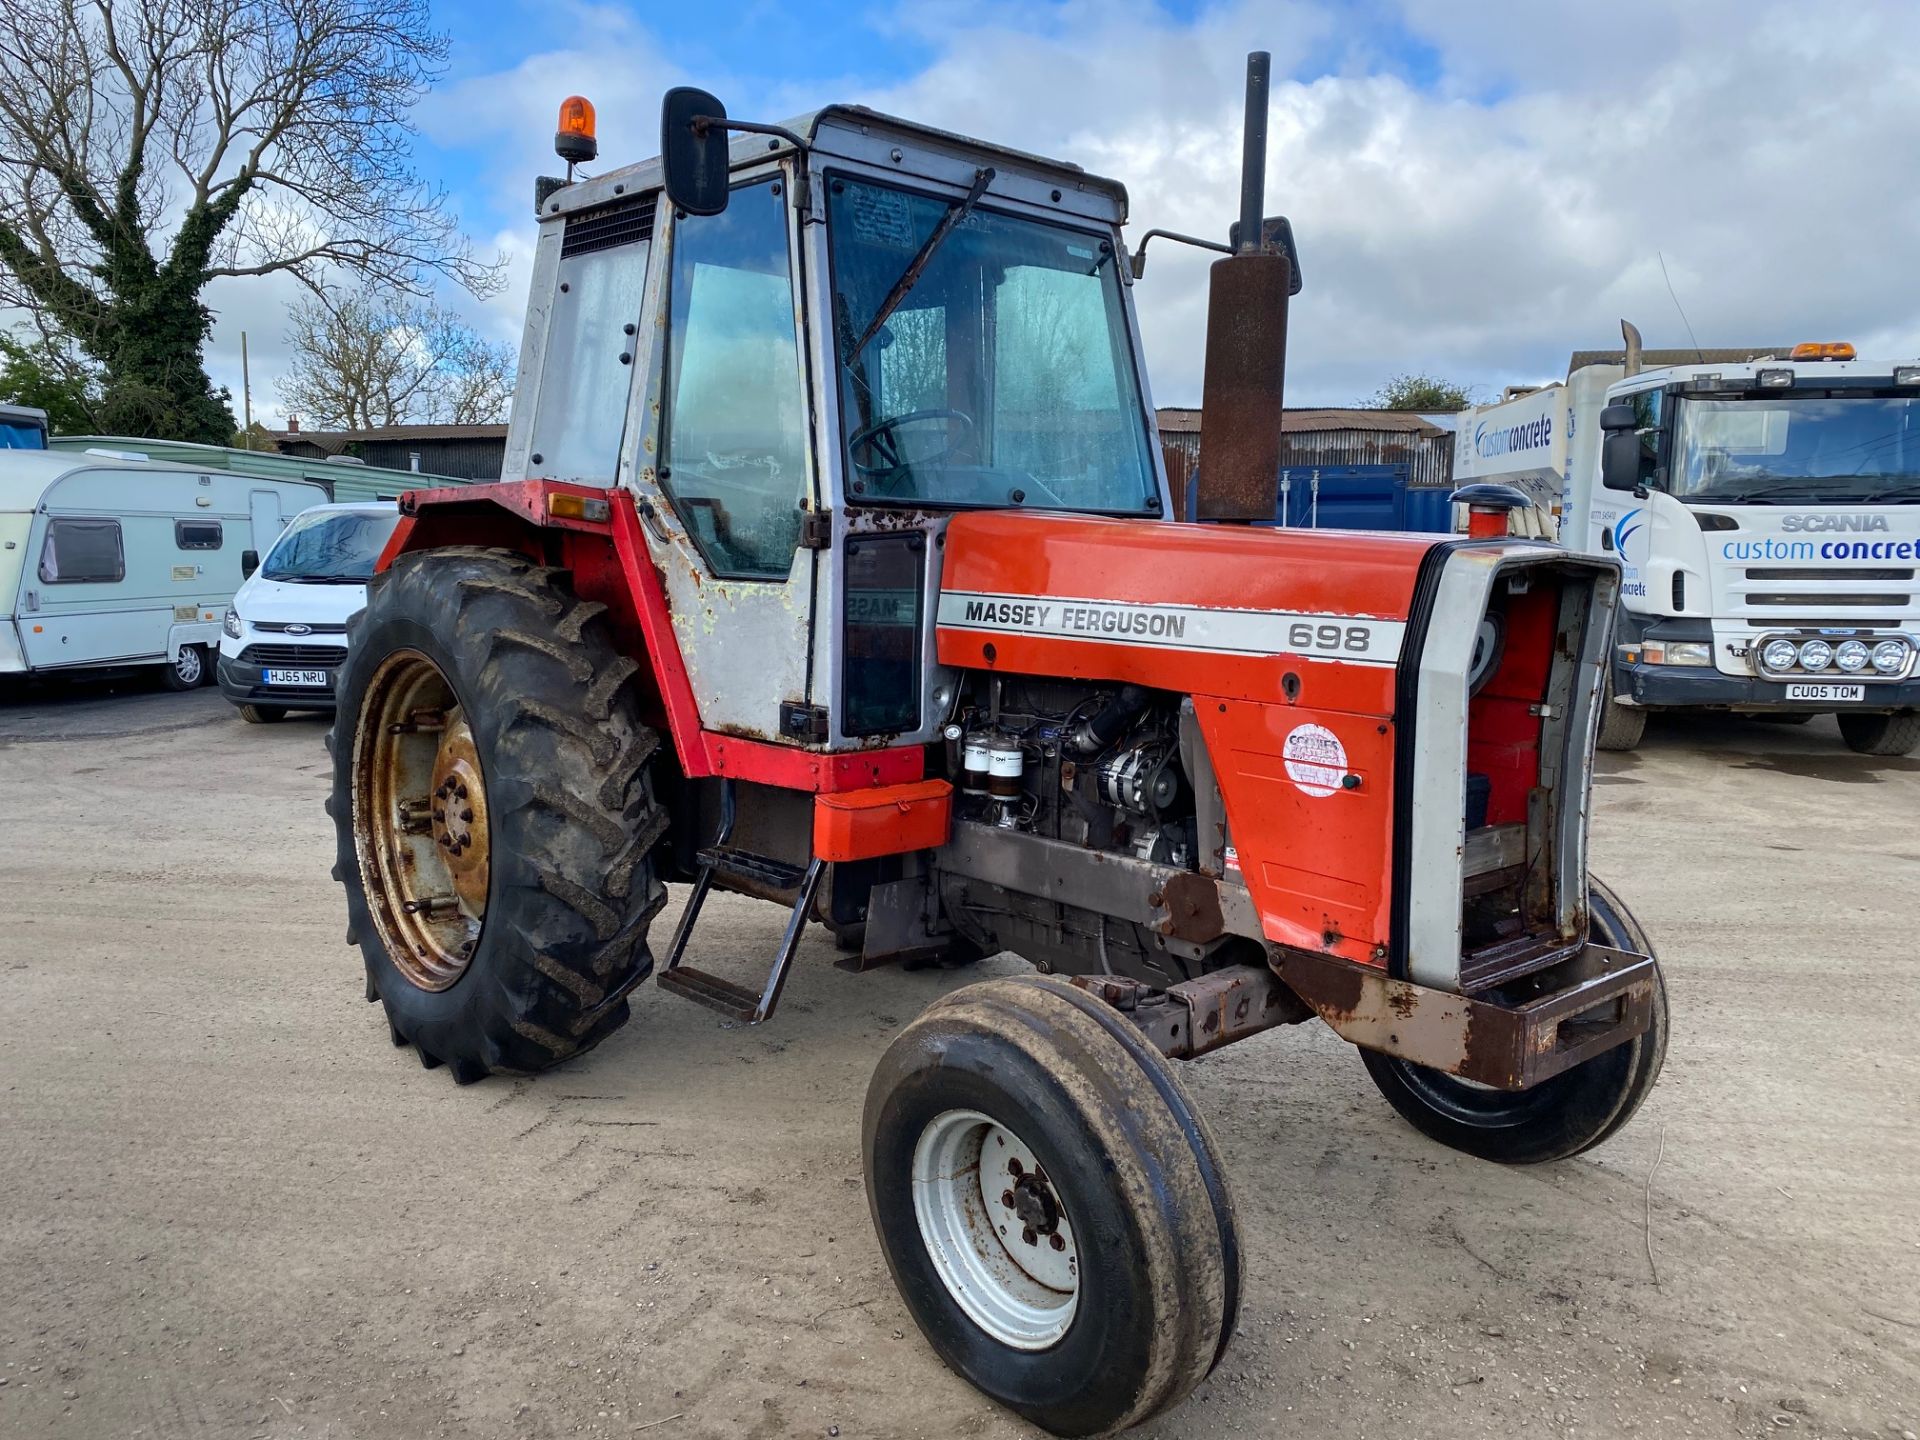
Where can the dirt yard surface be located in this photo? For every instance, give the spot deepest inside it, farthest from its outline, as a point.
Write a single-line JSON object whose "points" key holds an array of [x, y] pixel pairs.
{"points": [[232, 1208]]}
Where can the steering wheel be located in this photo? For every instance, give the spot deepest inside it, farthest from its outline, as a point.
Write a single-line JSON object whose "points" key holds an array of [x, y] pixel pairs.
{"points": [[883, 439]]}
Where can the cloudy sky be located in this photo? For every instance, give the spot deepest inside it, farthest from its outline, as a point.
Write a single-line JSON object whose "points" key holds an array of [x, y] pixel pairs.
{"points": [[1477, 188]]}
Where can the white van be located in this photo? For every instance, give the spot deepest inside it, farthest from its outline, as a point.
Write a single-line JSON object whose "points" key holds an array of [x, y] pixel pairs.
{"points": [[284, 636], [115, 562]]}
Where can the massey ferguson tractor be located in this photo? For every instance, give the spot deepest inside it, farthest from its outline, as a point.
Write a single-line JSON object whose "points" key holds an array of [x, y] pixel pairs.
{"points": [[843, 573]]}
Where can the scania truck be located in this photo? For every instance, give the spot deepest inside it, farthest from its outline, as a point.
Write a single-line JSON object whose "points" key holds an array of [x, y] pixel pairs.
{"points": [[1764, 506]]}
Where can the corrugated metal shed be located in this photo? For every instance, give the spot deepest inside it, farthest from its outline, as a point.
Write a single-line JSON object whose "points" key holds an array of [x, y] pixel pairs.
{"points": [[343, 482], [1328, 438]]}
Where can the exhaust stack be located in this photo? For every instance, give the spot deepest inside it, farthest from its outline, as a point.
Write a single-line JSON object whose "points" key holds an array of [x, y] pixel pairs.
{"points": [[1630, 336], [1246, 363]]}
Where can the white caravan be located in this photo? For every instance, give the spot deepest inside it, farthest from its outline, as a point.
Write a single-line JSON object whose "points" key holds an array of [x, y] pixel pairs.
{"points": [[111, 562], [1765, 511]]}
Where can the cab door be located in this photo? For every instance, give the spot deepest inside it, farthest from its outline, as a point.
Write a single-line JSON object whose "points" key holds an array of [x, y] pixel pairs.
{"points": [[725, 477]]}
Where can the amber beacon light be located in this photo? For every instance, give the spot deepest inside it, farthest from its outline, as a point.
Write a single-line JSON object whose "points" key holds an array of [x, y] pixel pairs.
{"points": [[573, 140]]}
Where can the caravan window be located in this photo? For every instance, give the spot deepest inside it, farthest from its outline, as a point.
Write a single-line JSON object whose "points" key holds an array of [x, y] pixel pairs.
{"points": [[81, 552], [196, 534]]}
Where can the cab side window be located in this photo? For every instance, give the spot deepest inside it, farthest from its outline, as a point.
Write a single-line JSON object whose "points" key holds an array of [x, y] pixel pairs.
{"points": [[1648, 411], [734, 451]]}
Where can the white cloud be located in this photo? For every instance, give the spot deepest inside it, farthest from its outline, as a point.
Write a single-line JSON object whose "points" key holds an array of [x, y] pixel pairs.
{"points": [[1479, 226]]}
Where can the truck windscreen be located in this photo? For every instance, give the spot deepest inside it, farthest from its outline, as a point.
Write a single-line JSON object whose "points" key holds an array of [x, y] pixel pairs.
{"points": [[1005, 375], [1841, 447]]}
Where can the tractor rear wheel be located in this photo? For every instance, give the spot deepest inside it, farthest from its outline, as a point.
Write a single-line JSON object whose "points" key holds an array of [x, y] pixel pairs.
{"points": [[1051, 1206], [1561, 1116], [493, 812]]}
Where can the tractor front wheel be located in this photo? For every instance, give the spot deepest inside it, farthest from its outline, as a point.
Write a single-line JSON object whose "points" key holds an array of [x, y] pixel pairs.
{"points": [[1051, 1206], [493, 812], [1561, 1116]]}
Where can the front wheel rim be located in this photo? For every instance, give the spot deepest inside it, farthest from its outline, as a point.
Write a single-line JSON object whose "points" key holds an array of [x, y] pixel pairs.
{"points": [[420, 821], [996, 1229]]}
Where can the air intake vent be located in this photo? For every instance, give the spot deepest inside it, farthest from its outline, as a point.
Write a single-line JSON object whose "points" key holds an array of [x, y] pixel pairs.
{"points": [[1809, 597], [1829, 574], [627, 223]]}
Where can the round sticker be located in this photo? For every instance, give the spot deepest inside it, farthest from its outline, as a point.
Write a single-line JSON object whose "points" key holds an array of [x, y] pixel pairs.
{"points": [[1316, 760]]}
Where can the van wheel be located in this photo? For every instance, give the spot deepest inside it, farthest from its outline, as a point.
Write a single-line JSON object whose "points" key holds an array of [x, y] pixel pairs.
{"points": [[1621, 726], [494, 813], [1051, 1206], [263, 714], [1880, 734], [1562, 1115], [188, 670]]}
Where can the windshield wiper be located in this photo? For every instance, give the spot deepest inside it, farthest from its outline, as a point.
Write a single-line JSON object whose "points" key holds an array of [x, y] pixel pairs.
{"points": [[911, 275], [1907, 491]]}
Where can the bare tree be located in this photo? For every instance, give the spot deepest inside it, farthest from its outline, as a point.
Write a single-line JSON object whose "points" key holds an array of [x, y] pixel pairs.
{"points": [[148, 147], [365, 360]]}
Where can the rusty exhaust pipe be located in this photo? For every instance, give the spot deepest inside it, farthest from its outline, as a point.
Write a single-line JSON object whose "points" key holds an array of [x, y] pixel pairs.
{"points": [[1246, 364]]}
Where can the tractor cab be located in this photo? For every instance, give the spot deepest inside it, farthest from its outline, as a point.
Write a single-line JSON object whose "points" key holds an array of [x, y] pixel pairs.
{"points": [[858, 327]]}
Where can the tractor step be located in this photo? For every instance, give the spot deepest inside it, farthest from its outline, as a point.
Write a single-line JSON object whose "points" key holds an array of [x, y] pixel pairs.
{"points": [[758, 874]]}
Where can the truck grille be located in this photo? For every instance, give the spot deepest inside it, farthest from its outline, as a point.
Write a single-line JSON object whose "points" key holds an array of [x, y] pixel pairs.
{"points": [[1833, 597], [294, 657], [1831, 575]]}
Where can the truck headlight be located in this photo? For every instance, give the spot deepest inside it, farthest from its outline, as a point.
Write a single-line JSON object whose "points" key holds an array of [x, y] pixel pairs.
{"points": [[1816, 655], [1779, 654], [1682, 652], [1890, 656], [230, 622], [1851, 656]]}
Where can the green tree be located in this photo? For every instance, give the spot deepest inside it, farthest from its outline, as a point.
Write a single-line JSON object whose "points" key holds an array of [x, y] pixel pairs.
{"points": [[49, 377], [1424, 393], [149, 147]]}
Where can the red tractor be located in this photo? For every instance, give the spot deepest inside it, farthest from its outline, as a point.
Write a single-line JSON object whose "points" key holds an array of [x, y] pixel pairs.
{"points": [[844, 573]]}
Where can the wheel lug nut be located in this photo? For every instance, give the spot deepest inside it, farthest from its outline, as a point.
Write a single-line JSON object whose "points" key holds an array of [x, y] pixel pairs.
{"points": [[1057, 1241], [460, 792], [1006, 1198], [466, 815], [1013, 1167], [1030, 1236]]}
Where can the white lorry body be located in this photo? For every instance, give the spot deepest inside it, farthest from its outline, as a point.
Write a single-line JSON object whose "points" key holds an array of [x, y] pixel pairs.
{"points": [[110, 562], [1776, 500]]}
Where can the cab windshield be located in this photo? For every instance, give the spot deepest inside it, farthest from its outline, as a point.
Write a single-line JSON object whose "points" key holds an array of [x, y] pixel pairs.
{"points": [[337, 547], [1841, 448], [1003, 376]]}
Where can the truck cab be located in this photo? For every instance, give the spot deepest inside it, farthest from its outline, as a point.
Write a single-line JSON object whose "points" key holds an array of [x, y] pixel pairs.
{"points": [[1765, 513]]}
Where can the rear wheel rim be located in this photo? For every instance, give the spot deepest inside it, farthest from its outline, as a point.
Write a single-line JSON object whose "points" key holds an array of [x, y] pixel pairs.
{"points": [[996, 1229], [420, 820], [187, 665]]}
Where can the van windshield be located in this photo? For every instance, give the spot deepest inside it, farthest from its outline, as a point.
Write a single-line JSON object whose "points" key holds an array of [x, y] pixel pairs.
{"points": [[330, 547]]}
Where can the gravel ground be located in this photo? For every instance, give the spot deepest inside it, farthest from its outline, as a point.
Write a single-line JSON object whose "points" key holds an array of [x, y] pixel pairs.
{"points": [[233, 1209]]}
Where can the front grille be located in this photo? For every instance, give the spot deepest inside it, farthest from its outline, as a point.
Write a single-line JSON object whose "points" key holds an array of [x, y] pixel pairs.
{"points": [[624, 224], [1830, 575], [280, 627], [1810, 597], [294, 657], [1821, 622]]}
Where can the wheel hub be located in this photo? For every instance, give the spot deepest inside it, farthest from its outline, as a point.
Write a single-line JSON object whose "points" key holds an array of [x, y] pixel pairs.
{"points": [[996, 1230], [420, 820]]}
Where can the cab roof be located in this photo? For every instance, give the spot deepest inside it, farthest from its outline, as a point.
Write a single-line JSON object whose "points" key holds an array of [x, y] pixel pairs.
{"points": [[845, 131]]}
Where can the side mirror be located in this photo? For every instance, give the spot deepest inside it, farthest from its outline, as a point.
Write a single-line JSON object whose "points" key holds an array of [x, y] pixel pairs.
{"points": [[249, 562], [1276, 233], [1620, 458], [693, 151], [1619, 417]]}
